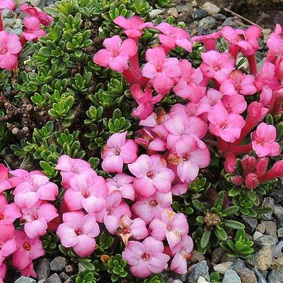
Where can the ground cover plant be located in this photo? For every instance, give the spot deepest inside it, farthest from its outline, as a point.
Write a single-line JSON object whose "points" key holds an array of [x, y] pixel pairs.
{"points": [[126, 143]]}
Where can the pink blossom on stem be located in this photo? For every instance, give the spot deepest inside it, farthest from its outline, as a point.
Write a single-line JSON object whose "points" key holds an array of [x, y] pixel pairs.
{"points": [[208, 40], [4, 182], [8, 246], [32, 29], [7, 4], [3, 269], [8, 212], [145, 258], [234, 104], [19, 176], [275, 41], [78, 231], [118, 151]]}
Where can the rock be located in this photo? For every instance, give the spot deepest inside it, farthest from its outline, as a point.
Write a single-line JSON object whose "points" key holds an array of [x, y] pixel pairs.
{"points": [[196, 257], [278, 211], [64, 276], [276, 194], [271, 229], [187, 8], [231, 276], [54, 278], [278, 250], [247, 275], [229, 22], [267, 203], [42, 269], [6, 13], [72, 279], [208, 23], [257, 235], [280, 222], [280, 232], [219, 17], [265, 241], [275, 276], [200, 14], [154, 13], [263, 258], [261, 228], [35, 2], [24, 279], [58, 263], [259, 275], [198, 270], [173, 12], [277, 264], [251, 223], [217, 254], [202, 280], [210, 8], [222, 267], [238, 264]]}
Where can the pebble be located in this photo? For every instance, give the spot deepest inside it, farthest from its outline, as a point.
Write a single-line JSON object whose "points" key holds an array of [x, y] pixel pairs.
{"points": [[24, 279], [58, 263], [280, 232], [275, 276], [259, 276], [196, 257], [188, 8], [219, 17], [217, 255], [198, 270], [154, 13], [251, 223], [268, 202], [276, 194], [230, 22], [42, 269], [35, 2], [260, 227], [69, 268], [278, 250], [222, 267], [238, 264], [265, 241], [6, 13], [173, 12], [278, 211], [263, 258], [257, 235], [200, 14], [64, 276], [271, 229], [277, 264], [247, 275], [54, 278], [210, 8], [231, 276], [202, 280], [208, 23]]}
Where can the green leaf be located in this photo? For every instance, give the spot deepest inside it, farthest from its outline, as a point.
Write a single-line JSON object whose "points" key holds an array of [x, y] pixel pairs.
{"points": [[231, 210], [205, 238], [233, 224], [220, 233], [87, 265], [219, 199]]}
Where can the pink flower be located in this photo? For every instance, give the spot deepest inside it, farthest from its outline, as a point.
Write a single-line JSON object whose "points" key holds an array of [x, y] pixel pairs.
{"points": [[33, 30], [172, 226], [87, 191], [4, 182], [9, 4], [8, 246], [217, 65], [71, 167], [10, 47], [192, 154], [264, 141], [152, 207], [145, 258], [161, 70], [37, 187], [19, 176], [8, 212], [3, 269], [27, 250], [151, 174], [117, 53], [224, 125], [118, 151], [174, 36], [182, 253], [132, 26], [234, 104], [275, 41], [189, 86], [78, 232], [122, 183], [37, 217]]}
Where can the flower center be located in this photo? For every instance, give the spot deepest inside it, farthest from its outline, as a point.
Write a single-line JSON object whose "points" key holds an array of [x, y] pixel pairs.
{"points": [[35, 217], [4, 51], [117, 152], [27, 246], [85, 194], [2, 216], [78, 231], [150, 175], [168, 227], [216, 69], [0, 246], [186, 157], [154, 202], [145, 256], [158, 69]]}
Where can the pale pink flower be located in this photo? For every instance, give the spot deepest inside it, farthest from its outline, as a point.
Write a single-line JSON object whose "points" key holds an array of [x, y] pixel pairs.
{"points": [[27, 250], [78, 231], [161, 70], [9, 4], [132, 26], [264, 141], [87, 191], [4, 182], [275, 41], [174, 36], [37, 217], [19, 176], [217, 65], [3, 269], [10, 47], [32, 29], [122, 183], [145, 258], [234, 104], [8, 246], [28, 271], [151, 207], [117, 53], [182, 253], [172, 226], [117, 152], [151, 174], [8, 212]]}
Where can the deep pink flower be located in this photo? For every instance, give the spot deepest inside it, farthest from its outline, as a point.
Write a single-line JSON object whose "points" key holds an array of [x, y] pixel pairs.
{"points": [[209, 40], [4, 182], [10, 47], [8, 246], [78, 231], [174, 36], [264, 141], [3, 269], [234, 104], [117, 53], [8, 212], [27, 250], [151, 174], [9, 4], [161, 70], [275, 41], [132, 26], [145, 258], [32, 29], [118, 151], [172, 226], [87, 191]]}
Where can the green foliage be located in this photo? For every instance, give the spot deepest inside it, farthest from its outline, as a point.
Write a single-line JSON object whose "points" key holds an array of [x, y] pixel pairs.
{"points": [[159, 278], [116, 267], [50, 242]]}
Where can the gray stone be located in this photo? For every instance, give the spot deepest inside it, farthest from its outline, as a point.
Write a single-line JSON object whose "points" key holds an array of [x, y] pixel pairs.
{"points": [[251, 223], [257, 235], [261, 228], [217, 255], [277, 264], [202, 280], [222, 267], [263, 258], [247, 275], [280, 232], [6, 13], [276, 194], [268, 203], [72, 279], [259, 275], [210, 8], [229, 22], [219, 17], [198, 270], [24, 279], [278, 250], [64, 276], [278, 211], [271, 229], [275, 276], [208, 23], [231, 276], [42, 269], [58, 263], [154, 13], [264, 241], [238, 264], [187, 8], [200, 14], [54, 278], [196, 257]]}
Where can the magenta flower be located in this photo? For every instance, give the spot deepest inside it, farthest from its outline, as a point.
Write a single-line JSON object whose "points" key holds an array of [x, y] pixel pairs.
{"points": [[161, 70], [234, 104], [118, 151], [8, 212], [145, 258], [4, 182], [78, 231], [132, 26], [87, 191], [275, 41], [172, 226], [3, 270], [27, 250], [117, 53], [10, 47], [32, 29], [174, 36], [122, 183], [37, 217], [151, 207], [9, 4], [264, 141], [217, 65], [7, 246], [151, 174]]}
